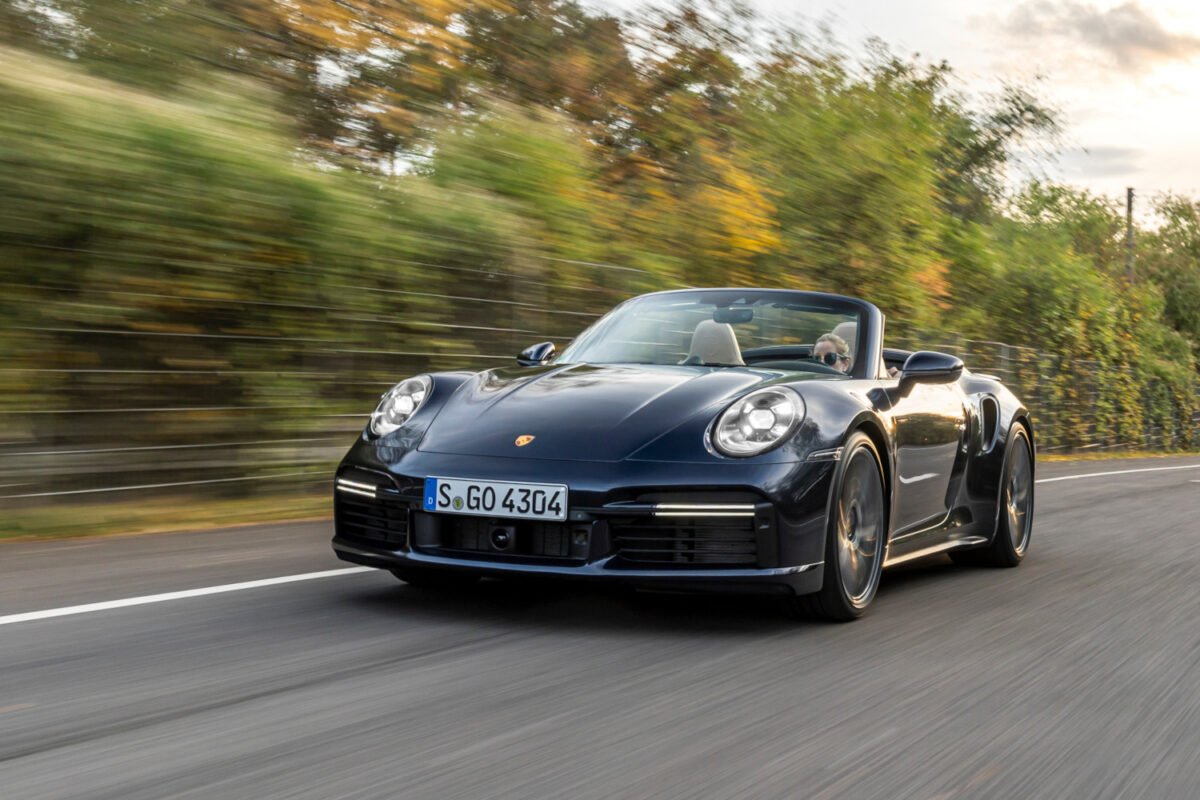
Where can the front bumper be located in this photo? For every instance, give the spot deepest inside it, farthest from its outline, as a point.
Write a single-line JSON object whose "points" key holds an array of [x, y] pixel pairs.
{"points": [[636, 524], [777, 580]]}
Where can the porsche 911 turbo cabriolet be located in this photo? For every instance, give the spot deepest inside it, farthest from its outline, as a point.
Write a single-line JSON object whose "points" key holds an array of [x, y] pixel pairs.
{"points": [[756, 440]]}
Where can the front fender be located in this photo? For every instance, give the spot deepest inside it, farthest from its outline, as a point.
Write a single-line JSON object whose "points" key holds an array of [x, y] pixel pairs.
{"points": [[408, 436]]}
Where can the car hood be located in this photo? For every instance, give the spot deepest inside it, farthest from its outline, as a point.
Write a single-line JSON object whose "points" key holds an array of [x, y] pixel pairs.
{"points": [[580, 411]]}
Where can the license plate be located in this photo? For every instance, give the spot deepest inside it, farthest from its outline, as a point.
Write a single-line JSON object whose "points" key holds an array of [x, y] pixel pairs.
{"points": [[496, 498]]}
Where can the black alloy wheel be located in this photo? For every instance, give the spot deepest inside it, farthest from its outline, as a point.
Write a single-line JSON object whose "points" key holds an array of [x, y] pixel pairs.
{"points": [[856, 536]]}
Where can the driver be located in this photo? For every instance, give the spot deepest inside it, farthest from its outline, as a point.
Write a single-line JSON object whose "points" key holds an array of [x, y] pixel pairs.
{"points": [[833, 351]]}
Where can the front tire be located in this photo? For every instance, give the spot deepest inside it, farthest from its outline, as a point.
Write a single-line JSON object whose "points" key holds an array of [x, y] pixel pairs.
{"points": [[855, 539]]}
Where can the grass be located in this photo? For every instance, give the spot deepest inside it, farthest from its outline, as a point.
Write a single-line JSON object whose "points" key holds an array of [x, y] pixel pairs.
{"points": [[1109, 455], [159, 515]]}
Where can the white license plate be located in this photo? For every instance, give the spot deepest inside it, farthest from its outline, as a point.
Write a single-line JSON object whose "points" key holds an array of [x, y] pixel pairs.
{"points": [[496, 498]]}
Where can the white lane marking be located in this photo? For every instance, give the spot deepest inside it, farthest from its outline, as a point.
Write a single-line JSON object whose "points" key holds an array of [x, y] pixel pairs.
{"points": [[1115, 472], [88, 608], [916, 478]]}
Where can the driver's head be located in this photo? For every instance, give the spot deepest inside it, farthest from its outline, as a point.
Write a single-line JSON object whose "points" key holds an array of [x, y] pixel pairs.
{"points": [[833, 348]]}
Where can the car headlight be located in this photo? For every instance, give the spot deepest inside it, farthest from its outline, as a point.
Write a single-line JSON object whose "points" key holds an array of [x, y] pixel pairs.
{"points": [[758, 422], [399, 403]]}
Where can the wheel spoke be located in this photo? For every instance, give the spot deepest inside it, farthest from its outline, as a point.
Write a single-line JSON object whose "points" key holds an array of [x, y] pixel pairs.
{"points": [[851, 567], [860, 527], [1018, 497]]}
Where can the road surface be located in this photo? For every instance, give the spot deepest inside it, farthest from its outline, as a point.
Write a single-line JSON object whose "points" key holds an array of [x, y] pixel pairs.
{"points": [[1076, 675]]}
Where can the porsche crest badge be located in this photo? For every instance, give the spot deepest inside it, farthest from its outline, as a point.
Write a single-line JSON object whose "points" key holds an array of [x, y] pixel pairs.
{"points": [[524, 439]]}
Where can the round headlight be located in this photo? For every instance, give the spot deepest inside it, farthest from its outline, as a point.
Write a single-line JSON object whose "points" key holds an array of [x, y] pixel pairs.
{"points": [[758, 422], [399, 403]]}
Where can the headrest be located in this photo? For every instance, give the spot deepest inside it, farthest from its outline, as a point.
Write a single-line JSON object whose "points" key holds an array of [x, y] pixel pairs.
{"points": [[714, 343], [849, 332]]}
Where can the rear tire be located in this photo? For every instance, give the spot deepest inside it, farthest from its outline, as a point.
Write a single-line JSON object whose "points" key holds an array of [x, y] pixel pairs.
{"points": [[855, 538], [435, 580], [1014, 524]]}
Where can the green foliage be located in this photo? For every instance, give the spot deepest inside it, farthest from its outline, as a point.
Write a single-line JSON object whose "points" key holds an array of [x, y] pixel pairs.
{"points": [[1114, 370], [532, 162], [182, 241], [852, 175], [978, 144], [1172, 261]]}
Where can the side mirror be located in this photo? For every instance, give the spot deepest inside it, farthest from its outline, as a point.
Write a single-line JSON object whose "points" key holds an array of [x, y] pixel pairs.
{"points": [[537, 355], [925, 366]]}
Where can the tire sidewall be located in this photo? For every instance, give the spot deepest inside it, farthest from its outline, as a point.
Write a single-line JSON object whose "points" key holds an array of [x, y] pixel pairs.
{"points": [[833, 574], [1002, 547]]}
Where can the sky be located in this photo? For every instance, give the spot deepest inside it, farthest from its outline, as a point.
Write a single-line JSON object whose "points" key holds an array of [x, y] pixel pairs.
{"points": [[1125, 75]]}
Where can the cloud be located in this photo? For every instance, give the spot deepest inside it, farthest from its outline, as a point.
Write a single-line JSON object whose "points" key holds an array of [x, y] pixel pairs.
{"points": [[1127, 34], [1100, 162]]}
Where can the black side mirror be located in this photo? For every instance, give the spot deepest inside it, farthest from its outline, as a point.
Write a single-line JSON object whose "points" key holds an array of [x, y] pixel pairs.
{"points": [[925, 366], [537, 355]]}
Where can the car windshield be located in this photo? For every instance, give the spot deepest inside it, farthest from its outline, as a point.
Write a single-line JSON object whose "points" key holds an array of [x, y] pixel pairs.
{"points": [[726, 328]]}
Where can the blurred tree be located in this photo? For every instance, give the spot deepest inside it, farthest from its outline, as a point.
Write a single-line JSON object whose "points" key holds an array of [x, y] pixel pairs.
{"points": [[687, 185], [363, 78], [28, 24], [148, 43], [1105, 340], [533, 161], [556, 55], [978, 146], [853, 167], [1170, 256], [378, 70]]}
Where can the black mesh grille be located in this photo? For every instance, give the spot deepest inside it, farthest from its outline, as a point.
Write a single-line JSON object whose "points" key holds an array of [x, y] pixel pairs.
{"points": [[684, 541], [357, 516]]}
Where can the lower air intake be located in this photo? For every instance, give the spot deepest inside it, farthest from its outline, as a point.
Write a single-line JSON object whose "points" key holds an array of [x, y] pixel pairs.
{"points": [[687, 542], [359, 515]]}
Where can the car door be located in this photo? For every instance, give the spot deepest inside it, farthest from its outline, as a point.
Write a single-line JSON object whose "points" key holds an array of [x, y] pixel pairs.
{"points": [[931, 423]]}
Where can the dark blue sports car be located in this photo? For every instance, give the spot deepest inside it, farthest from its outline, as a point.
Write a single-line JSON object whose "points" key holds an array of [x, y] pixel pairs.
{"points": [[703, 439]]}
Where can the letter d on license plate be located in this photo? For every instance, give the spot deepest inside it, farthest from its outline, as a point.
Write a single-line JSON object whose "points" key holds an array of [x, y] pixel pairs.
{"points": [[496, 498]]}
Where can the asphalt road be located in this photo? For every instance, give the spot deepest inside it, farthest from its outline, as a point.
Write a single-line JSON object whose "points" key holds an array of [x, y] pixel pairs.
{"points": [[1076, 675]]}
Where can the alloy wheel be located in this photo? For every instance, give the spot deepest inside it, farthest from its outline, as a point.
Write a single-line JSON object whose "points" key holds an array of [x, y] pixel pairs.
{"points": [[860, 527]]}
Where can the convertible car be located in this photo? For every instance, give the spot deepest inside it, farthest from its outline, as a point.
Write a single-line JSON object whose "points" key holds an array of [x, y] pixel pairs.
{"points": [[696, 440]]}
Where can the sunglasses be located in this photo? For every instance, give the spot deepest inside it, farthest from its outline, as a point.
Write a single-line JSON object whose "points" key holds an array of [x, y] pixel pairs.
{"points": [[829, 359]]}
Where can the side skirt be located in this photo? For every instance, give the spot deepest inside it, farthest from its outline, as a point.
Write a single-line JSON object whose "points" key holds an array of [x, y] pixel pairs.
{"points": [[967, 541]]}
